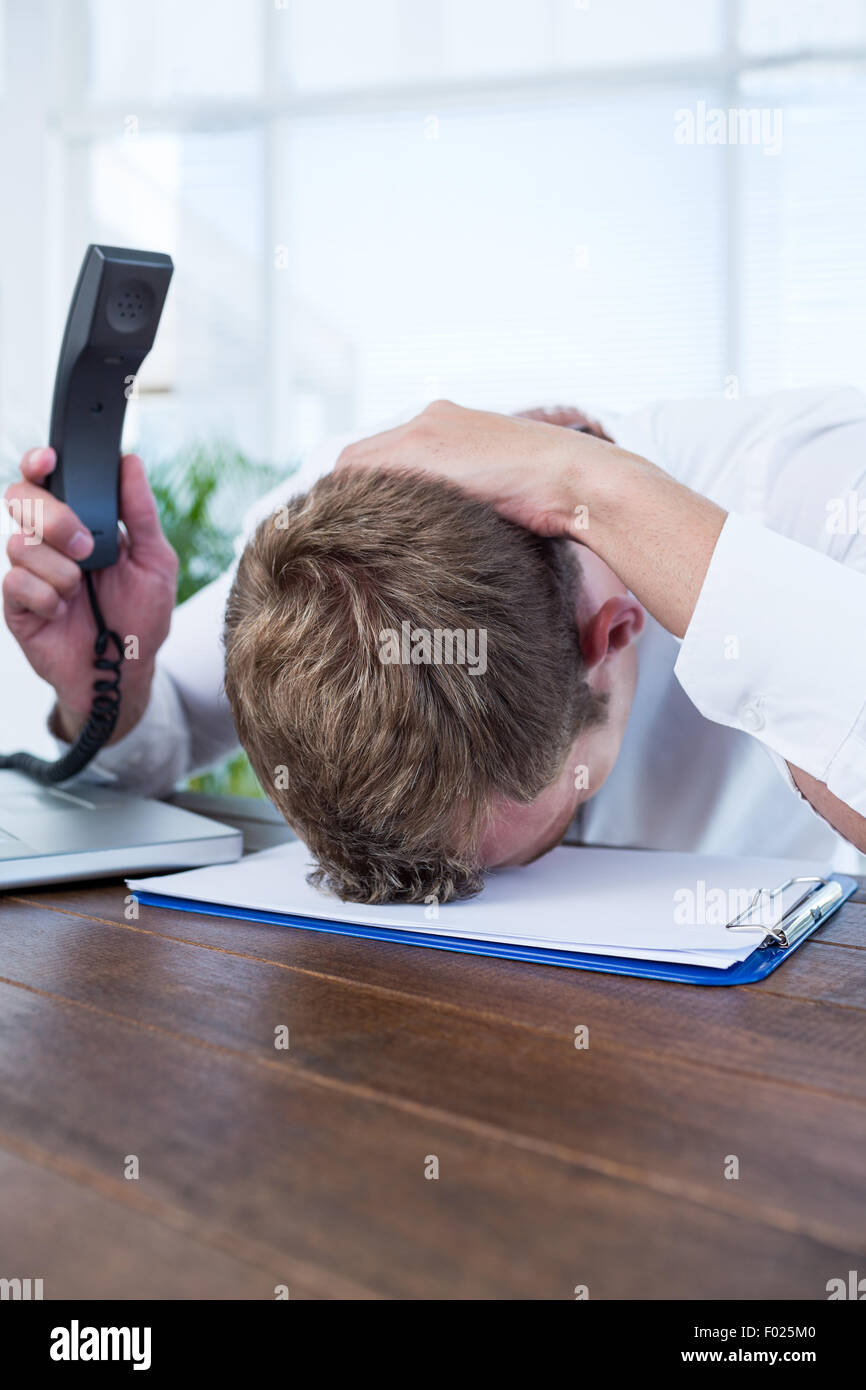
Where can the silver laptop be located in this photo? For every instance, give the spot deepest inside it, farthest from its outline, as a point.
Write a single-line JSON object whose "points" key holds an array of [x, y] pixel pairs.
{"points": [[56, 834]]}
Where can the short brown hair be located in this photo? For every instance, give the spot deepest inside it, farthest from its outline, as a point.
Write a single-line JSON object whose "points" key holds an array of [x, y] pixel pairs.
{"points": [[386, 771]]}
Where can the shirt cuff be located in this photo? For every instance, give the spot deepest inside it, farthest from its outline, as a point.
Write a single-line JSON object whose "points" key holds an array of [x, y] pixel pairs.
{"points": [[154, 755], [774, 648]]}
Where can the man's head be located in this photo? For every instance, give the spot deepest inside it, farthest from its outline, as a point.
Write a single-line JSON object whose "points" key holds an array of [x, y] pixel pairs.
{"points": [[419, 682]]}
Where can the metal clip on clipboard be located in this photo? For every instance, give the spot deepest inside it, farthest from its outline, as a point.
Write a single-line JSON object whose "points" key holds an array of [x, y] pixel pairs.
{"points": [[797, 920]]}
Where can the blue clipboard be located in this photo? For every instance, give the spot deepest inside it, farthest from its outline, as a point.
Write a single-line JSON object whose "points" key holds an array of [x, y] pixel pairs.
{"points": [[811, 910]]}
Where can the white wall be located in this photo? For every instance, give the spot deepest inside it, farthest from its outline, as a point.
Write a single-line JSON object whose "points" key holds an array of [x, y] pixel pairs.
{"points": [[373, 203]]}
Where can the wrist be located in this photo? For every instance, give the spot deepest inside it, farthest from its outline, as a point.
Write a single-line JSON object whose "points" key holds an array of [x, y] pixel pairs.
{"points": [[71, 713], [66, 723], [602, 488], [655, 534], [135, 684]]}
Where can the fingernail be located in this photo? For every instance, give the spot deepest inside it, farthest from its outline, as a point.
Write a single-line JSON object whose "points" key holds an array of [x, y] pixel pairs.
{"points": [[80, 545]]}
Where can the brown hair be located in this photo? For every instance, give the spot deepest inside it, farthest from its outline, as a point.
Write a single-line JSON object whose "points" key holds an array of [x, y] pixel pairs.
{"points": [[386, 771]]}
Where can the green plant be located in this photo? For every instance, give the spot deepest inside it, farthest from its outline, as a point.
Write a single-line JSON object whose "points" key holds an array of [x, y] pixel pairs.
{"points": [[202, 493]]}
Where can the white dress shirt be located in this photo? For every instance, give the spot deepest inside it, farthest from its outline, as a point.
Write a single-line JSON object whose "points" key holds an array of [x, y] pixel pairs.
{"points": [[771, 670]]}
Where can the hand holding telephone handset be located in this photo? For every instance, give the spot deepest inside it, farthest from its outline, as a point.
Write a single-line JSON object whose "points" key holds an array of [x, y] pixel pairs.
{"points": [[111, 327]]}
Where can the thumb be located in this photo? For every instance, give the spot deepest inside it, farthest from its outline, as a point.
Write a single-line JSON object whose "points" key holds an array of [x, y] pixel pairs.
{"points": [[138, 510]]}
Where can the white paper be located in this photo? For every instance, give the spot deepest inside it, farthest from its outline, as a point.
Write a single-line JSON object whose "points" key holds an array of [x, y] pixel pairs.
{"points": [[638, 903]]}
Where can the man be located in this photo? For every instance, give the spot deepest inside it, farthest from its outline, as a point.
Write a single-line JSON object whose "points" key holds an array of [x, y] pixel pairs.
{"points": [[737, 540], [406, 674]]}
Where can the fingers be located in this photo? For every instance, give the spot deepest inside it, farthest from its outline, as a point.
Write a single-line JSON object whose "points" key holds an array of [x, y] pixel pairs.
{"points": [[37, 464], [46, 520], [564, 415], [538, 412], [412, 446], [44, 575], [45, 563], [373, 449], [24, 592], [138, 510]]}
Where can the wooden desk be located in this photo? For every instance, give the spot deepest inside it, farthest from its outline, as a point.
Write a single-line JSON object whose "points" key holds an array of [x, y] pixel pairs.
{"points": [[557, 1167]]}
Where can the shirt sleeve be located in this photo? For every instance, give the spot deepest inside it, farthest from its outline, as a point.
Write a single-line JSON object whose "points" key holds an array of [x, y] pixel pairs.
{"points": [[774, 648]]}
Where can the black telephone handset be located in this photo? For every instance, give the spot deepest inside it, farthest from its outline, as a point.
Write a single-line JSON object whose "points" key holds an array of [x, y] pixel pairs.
{"points": [[112, 322]]}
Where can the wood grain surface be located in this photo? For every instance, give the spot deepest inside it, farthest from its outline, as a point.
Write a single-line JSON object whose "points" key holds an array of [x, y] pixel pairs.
{"points": [[153, 1039]]}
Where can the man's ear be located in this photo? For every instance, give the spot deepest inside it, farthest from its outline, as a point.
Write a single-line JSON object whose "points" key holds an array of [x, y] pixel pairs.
{"points": [[611, 628]]}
